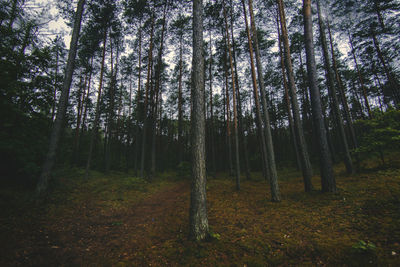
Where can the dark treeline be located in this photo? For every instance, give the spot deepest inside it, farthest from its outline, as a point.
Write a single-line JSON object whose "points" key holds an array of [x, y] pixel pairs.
{"points": [[284, 83]]}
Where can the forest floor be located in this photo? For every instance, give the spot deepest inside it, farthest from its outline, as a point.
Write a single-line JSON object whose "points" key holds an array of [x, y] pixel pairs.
{"points": [[120, 220]]}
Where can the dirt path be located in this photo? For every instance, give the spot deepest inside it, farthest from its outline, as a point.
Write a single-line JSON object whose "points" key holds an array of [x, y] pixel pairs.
{"points": [[94, 235]]}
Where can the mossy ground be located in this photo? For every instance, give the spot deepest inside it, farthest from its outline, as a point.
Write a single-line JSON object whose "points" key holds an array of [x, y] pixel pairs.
{"points": [[120, 220]]}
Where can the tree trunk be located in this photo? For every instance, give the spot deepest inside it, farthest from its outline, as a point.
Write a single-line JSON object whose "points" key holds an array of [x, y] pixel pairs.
{"points": [[364, 90], [327, 178], [157, 90], [342, 93], [300, 139], [53, 109], [275, 194], [180, 100], [87, 99], [97, 114], [213, 163], [332, 90], [288, 106], [234, 104], [228, 118], [62, 107], [146, 100], [239, 103], [138, 111], [198, 229], [265, 162], [391, 78], [81, 99], [111, 111]]}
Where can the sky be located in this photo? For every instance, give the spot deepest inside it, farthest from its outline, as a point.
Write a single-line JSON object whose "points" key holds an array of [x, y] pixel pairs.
{"points": [[55, 26]]}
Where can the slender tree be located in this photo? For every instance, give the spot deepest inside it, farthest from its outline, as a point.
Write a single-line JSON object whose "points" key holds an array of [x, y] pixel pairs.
{"points": [[305, 160], [275, 195], [327, 178], [62, 106], [97, 112], [333, 94], [287, 99], [259, 121], [235, 119], [198, 229]]}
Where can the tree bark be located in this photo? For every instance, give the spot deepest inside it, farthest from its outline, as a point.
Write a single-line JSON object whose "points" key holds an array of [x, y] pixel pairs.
{"points": [[157, 93], [300, 139], [390, 77], [146, 100], [228, 118], [288, 106], [327, 178], [342, 93], [180, 100], [213, 163], [234, 104], [97, 114], [138, 111], [53, 109], [62, 106], [332, 90], [259, 123], [275, 194], [364, 90], [198, 210], [239, 103]]}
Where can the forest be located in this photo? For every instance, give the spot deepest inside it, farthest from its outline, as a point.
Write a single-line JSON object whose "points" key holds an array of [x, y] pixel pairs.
{"points": [[199, 133]]}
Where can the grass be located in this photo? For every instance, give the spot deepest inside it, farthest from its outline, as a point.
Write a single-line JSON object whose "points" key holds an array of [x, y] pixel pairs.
{"points": [[121, 220]]}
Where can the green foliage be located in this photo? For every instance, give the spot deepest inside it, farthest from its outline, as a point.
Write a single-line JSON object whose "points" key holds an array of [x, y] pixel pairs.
{"points": [[382, 133], [363, 246]]}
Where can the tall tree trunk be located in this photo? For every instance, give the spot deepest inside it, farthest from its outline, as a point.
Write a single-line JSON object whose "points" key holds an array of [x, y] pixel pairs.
{"points": [[198, 229], [130, 124], [342, 93], [305, 160], [259, 123], [332, 90], [275, 194], [157, 90], [180, 104], [212, 114], [62, 106], [228, 118], [87, 97], [146, 100], [234, 104], [394, 85], [81, 99], [364, 90], [288, 106], [53, 109], [138, 97], [327, 178], [97, 114], [239, 103], [111, 111]]}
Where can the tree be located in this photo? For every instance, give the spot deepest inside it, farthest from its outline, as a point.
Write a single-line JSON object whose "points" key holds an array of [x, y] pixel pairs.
{"points": [[333, 94], [327, 178], [235, 119], [273, 179], [62, 106], [198, 210], [300, 140]]}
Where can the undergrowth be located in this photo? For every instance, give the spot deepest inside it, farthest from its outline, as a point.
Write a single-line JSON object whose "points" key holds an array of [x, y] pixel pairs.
{"points": [[121, 220]]}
